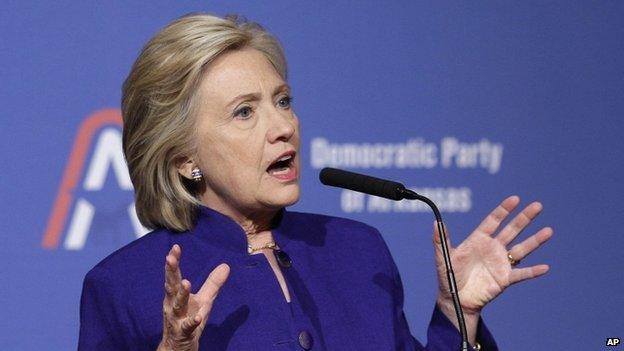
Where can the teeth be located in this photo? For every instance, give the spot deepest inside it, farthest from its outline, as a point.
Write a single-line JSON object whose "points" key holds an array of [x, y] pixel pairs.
{"points": [[284, 158], [280, 171]]}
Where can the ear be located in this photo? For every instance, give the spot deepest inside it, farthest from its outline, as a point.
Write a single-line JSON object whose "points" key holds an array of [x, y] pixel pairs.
{"points": [[185, 168]]}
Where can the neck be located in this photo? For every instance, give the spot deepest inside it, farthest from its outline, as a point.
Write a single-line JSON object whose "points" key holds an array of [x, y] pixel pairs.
{"points": [[256, 223], [252, 222], [257, 227], [253, 225]]}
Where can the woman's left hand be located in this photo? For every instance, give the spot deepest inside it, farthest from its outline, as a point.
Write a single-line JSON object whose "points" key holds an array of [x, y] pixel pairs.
{"points": [[481, 265]]}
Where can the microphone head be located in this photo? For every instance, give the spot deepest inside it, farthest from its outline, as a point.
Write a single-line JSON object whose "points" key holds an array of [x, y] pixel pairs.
{"points": [[329, 176], [362, 183]]}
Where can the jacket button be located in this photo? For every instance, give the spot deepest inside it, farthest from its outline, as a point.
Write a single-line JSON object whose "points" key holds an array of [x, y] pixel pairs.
{"points": [[305, 340], [283, 259]]}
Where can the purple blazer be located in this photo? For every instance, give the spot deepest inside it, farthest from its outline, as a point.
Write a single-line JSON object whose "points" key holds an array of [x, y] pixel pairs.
{"points": [[346, 292]]}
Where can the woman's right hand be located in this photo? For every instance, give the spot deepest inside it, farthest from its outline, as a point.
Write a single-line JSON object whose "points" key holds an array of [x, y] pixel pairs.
{"points": [[185, 314]]}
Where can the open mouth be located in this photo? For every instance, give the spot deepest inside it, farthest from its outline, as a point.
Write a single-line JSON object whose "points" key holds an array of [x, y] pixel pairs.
{"points": [[283, 167]]}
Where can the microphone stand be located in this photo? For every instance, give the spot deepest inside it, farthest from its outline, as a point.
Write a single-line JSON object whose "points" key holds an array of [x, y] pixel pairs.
{"points": [[450, 275], [397, 191]]}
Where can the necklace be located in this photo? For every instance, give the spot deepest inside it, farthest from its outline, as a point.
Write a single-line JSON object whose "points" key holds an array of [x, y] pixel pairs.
{"points": [[270, 245]]}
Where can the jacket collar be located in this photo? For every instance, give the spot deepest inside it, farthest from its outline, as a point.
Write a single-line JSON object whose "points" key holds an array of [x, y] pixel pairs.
{"points": [[223, 232]]}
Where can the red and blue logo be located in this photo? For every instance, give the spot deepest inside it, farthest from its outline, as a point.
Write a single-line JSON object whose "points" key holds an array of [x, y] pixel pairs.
{"points": [[95, 195]]}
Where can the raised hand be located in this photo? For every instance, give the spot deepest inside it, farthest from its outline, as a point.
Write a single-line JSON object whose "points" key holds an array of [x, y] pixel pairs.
{"points": [[185, 314], [481, 264]]}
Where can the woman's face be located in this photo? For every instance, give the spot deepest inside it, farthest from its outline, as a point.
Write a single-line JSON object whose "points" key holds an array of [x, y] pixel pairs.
{"points": [[245, 124]]}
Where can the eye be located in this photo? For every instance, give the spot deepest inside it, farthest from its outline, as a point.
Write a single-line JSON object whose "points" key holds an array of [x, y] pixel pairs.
{"points": [[285, 102], [243, 112]]}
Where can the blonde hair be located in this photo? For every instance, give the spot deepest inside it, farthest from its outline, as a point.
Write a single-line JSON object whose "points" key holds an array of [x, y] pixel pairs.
{"points": [[159, 108]]}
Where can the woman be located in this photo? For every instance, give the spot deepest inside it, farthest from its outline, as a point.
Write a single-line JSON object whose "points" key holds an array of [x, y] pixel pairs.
{"points": [[212, 145]]}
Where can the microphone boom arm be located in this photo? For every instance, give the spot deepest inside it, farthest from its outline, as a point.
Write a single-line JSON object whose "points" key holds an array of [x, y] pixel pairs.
{"points": [[450, 275]]}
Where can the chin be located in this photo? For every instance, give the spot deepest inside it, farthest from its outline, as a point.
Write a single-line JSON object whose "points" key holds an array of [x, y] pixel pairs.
{"points": [[285, 197]]}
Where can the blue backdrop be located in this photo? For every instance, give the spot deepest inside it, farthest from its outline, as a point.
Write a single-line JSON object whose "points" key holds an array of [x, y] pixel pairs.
{"points": [[467, 101]]}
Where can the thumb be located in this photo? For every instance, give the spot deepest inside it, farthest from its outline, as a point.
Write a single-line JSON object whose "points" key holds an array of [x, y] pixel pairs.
{"points": [[214, 282], [220, 274]]}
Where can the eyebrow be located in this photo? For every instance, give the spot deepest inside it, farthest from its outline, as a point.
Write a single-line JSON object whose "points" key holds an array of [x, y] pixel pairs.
{"points": [[256, 96]]}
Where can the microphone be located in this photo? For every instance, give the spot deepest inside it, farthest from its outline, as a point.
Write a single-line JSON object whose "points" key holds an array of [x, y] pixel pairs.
{"points": [[365, 184], [397, 191]]}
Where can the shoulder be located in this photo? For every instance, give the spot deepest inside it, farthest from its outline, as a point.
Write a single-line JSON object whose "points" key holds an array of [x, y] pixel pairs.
{"points": [[127, 284], [141, 257], [333, 224], [121, 295], [132, 266], [338, 236]]}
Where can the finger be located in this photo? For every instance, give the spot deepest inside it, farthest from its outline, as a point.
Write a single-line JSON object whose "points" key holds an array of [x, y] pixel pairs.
{"points": [[176, 251], [511, 230], [438, 243], [173, 276], [529, 245], [214, 282], [494, 219], [521, 274], [180, 304], [190, 324]]}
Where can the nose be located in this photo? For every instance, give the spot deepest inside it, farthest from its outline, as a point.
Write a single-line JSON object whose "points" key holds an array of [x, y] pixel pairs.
{"points": [[283, 126]]}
